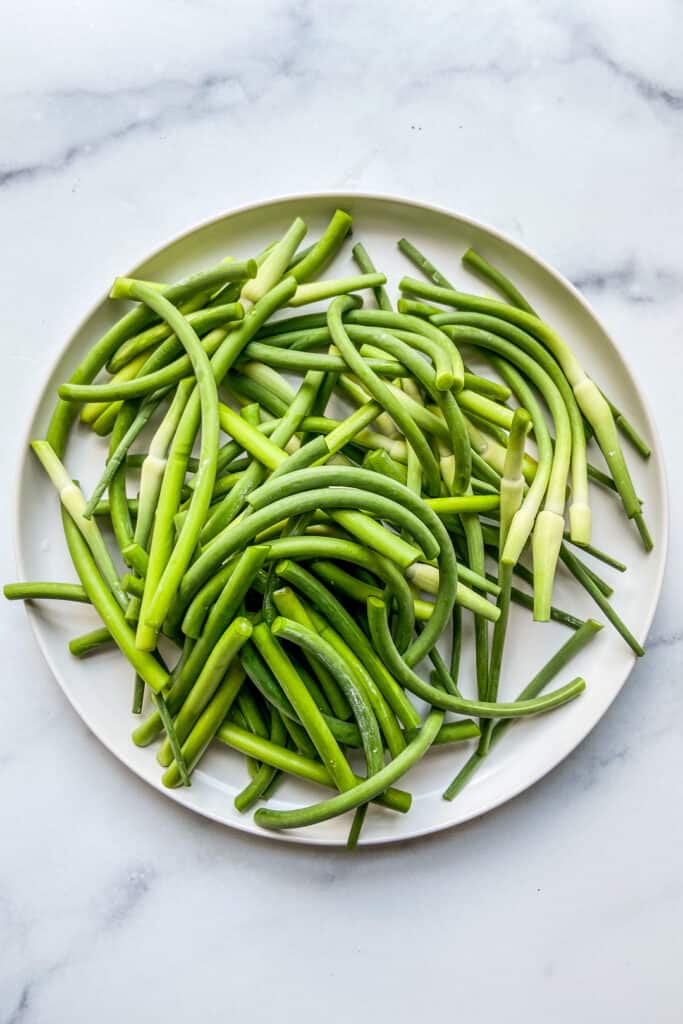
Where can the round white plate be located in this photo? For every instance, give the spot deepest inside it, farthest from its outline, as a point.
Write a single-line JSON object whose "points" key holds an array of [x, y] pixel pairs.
{"points": [[100, 687]]}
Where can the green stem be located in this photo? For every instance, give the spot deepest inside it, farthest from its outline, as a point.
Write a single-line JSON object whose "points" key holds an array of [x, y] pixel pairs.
{"points": [[85, 644], [366, 266], [348, 628], [551, 668], [147, 409], [588, 396], [379, 628], [289, 606], [379, 704], [298, 765], [105, 604], [168, 561], [73, 503], [363, 792], [351, 684], [478, 265], [207, 725], [217, 664], [45, 591], [381, 393], [578, 570], [319, 732], [325, 249], [202, 320], [65, 412]]}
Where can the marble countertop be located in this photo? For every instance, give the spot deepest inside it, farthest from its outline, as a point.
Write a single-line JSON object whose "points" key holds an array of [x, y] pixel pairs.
{"points": [[562, 125]]}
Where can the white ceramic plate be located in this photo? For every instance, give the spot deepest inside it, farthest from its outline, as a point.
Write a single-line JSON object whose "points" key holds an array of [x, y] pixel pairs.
{"points": [[100, 687]]}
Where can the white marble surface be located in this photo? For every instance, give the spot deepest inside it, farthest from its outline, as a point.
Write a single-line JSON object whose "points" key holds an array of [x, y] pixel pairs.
{"points": [[121, 125]]}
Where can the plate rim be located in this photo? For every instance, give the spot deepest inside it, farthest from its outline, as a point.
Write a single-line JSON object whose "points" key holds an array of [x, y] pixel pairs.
{"points": [[246, 825]]}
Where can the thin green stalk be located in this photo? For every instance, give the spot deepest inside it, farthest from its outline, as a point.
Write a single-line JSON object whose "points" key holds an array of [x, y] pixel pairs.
{"points": [[93, 411], [381, 393], [319, 732], [579, 508], [380, 706], [492, 389], [228, 602], [107, 608], [315, 291], [485, 409], [228, 589], [421, 261], [587, 394], [207, 682], [65, 412], [380, 461], [352, 686], [300, 255], [276, 262], [296, 361], [207, 725], [298, 408], [119, 508], [295, 764], [379, 629], [172, 737], [85, 644], [104, 508], [555, 664], [456, 645], [349, 388], [478, 265], [267, 685], [450, 732], [449, 371], [147, 409], [138, 695], [325, 249], [250, 438], [250, 710], [476, 559], [489, 273], [244, 390], [45, 591], [602, 556], [136, 557], [497, 646], [451, 423], [73, 502], [394, 502], [289, 606], [168, 561], [360, 794], [333, 612], [415, 308], [629, 431], [458, 504], [202, 319], [366, 266], [556, 614], [258, 787], [577, 570]]}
